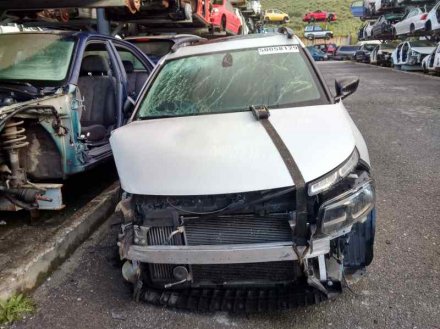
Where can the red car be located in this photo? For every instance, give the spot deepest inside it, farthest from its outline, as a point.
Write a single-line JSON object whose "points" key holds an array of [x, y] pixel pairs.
{"points": [[223, 17], [328, 48], [319, 16]]}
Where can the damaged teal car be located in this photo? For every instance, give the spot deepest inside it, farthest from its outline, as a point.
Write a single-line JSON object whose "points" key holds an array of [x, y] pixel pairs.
{"points": [[61, 95]]}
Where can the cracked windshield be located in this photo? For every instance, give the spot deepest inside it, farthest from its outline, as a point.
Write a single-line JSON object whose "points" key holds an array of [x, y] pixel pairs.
{"points": [[230, 82]]}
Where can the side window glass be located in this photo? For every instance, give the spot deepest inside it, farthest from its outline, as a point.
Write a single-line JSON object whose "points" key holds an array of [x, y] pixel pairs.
{"points": [[128, 56]]}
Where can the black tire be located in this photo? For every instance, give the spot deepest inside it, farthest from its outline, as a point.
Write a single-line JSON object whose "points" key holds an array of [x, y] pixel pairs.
{"points": [[285, 20], [428, 26], [412, 28], [240, 30], [425, 70], [328, 36]]}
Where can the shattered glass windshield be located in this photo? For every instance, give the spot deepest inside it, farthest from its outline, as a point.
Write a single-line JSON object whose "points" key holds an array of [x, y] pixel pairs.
{"points": [[232, 81], [41, 57]]}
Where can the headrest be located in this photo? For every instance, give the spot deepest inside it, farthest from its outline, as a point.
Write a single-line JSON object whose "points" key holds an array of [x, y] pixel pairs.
{"points": [[94, 64], [128, 66]]}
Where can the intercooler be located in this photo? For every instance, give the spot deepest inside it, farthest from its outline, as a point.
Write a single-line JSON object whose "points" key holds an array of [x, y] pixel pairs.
{"points": [[227, 230], [237, 230]]}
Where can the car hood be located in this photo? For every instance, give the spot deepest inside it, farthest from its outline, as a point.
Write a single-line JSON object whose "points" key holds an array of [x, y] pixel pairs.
{"points": [[229, 153], [423, 50]]}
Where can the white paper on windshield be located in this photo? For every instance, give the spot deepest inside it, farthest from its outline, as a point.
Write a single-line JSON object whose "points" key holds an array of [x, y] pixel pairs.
{"points": [[278, 50]]}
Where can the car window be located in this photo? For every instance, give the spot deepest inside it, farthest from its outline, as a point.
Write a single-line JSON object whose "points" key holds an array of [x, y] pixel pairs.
{"points": [[217, 2], [309, 28], [318, 28], [422, 43], [277, 11], [127, 55], [36, 57], [228, 82]]}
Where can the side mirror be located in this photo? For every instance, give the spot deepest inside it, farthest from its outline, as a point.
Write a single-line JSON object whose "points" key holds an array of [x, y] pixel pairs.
{"points": [[345, 88]]}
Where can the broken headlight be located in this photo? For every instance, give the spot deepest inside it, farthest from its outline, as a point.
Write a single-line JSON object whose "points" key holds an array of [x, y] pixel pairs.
{"points": [[326, 182], [347, 208]]}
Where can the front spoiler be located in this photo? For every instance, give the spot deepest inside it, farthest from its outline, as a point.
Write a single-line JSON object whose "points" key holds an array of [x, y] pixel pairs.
{"points": [[225, 254]]}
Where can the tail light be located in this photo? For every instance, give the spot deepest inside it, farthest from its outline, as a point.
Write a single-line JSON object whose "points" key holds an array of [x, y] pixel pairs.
{"points": [[423, 17]]}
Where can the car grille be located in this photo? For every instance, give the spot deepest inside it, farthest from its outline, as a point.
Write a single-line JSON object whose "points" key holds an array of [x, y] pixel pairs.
{"points": [[227, 230], [237, 230], [263, 272]]}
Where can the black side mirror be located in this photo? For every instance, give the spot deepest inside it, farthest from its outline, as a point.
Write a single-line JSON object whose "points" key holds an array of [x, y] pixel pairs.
{"points": [[345, 88]]}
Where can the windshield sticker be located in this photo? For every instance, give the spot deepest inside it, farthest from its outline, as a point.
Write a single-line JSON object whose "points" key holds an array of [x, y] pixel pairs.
{"points": [[278, 50]]}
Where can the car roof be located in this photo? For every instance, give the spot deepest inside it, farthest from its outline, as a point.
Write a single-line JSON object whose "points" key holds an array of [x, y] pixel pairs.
{"points": [[160, 37], [235, 43]]}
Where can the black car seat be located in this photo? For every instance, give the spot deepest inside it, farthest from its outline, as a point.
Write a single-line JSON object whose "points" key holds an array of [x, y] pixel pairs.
{"points": [[97, 87], [135, 80]]}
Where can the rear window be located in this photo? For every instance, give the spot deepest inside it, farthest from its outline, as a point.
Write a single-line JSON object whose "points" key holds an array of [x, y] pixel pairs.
{"points": [[232, 81]]}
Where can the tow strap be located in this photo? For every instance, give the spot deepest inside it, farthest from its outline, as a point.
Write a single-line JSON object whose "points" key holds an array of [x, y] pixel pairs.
{"points": [[300, 230]]}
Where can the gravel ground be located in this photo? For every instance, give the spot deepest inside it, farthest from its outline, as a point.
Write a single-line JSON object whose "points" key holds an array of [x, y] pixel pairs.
{"points": [[399, 115]]}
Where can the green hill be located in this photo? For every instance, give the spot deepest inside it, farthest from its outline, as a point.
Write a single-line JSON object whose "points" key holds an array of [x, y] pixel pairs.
{"points": [[345, 25]]}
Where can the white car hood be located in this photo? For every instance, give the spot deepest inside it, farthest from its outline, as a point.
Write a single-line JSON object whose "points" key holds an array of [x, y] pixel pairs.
{"points": [[229, 153], [423, 50]]}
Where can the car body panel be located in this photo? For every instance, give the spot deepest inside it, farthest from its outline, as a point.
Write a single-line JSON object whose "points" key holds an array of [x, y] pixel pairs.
{"points": [[184, 156]]}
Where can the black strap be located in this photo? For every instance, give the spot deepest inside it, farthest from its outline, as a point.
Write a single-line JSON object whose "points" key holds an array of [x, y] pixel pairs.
{"points": [[300, 232]]}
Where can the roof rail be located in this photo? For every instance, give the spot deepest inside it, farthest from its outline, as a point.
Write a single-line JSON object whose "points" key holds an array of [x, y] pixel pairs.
{"points": [[287, 31], [187, 41]]}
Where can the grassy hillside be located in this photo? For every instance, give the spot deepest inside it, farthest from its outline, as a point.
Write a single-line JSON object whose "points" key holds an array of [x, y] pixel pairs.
{"points": [[345, 25]]}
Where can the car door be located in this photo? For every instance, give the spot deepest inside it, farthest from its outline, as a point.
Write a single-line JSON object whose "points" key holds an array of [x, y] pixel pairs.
{"points": [[400, 27], [136, 68], [319, 32]]}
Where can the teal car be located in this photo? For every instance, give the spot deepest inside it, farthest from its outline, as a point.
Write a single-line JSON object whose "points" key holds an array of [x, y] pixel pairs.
{"points": [[61, 95], [317, 54]]}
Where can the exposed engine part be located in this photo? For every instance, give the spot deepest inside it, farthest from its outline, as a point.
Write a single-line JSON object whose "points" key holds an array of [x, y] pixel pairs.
{"points": [[130, 271], [14, 139]]}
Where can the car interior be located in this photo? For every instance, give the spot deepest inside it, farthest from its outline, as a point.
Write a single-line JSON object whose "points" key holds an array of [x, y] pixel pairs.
{"points": [[98, 89]]}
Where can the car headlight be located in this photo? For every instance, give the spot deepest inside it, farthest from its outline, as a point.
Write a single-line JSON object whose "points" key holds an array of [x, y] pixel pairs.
{"points": [[347, 208], [326, 182]]}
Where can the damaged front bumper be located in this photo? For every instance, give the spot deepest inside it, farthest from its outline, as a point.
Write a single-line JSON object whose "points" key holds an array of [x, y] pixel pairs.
{"points": [[225, 254]]}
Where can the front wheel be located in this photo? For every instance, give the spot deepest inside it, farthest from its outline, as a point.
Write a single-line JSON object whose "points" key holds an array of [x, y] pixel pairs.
{"points": [[328, 36], [285, 20], [425, 70]]}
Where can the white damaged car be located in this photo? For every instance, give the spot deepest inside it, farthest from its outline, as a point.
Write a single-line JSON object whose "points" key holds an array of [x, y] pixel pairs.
{"points": [[247, 185]]}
